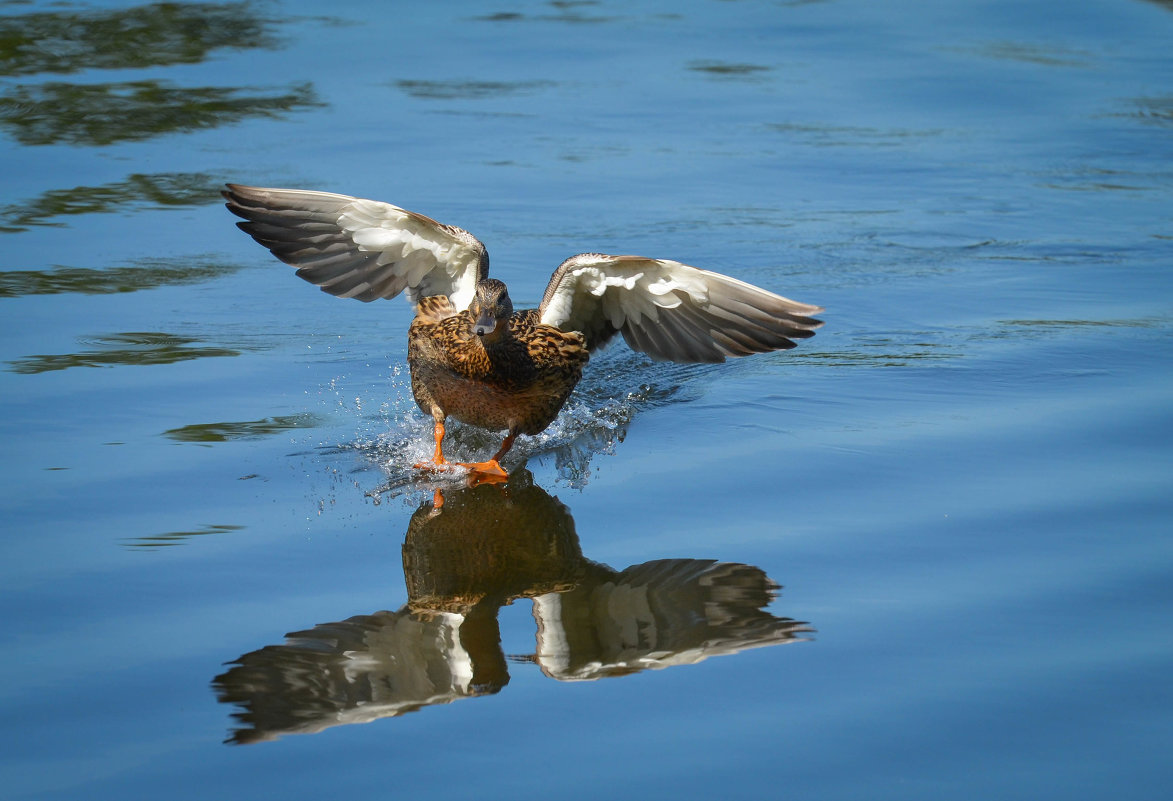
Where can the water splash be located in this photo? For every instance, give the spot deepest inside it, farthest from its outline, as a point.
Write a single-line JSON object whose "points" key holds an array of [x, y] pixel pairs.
{"points": [[396, 434]]}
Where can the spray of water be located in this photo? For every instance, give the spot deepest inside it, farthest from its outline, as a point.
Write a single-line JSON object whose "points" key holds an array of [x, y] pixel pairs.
{"points": [[391, 434]]}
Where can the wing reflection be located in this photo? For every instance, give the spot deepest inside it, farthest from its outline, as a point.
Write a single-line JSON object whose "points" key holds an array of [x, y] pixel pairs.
{"points": [[655, 615], [466, 554]]}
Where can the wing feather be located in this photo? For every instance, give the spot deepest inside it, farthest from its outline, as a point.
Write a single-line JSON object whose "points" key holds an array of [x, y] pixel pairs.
{"points": [[669, 310], [364, 249], [695, 343]]}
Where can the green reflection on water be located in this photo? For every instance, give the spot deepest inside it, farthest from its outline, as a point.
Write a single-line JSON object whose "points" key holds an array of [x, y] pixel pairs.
{"points": [[823, 135], [177, 537], [164, 189], [501, 16], [143, 36], [902, 350], [204, 433], [146, 274], [469, 90], [1030, 53], [1155, 110], [139, 348], [727, 69], [880, 357], [566, 11], [1138, 323], [101, 114]]}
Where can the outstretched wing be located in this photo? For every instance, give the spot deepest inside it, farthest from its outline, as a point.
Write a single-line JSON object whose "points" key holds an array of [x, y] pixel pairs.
{"points": [[669, 310], [364, 249]]}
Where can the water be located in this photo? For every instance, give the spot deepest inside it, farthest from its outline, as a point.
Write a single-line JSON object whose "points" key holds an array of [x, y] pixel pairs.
{"points": [[923, 555]]}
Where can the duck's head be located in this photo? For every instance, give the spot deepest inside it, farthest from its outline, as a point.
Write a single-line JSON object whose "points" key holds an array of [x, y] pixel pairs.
{"points": [[491, 309]]}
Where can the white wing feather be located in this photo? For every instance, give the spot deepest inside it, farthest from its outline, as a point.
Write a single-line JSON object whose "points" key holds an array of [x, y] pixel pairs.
{"points": [[364, 249], [669, 310]]}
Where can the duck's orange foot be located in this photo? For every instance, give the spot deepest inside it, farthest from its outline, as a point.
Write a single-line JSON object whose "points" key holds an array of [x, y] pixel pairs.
{"points": [[490, 472], [434, 467]]}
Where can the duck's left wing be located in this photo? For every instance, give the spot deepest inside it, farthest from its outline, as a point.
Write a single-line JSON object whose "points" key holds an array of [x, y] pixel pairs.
{"points": [[671, 311], [364, 249]]}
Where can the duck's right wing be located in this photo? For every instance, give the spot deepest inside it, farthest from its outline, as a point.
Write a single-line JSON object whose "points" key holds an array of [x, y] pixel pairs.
{"points": [[363, 249], [671, 311]]}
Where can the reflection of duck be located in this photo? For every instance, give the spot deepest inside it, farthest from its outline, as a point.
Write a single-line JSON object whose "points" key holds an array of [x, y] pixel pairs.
{"points": [[485, 547], [472, 356], [655, 615], [490, 545]]}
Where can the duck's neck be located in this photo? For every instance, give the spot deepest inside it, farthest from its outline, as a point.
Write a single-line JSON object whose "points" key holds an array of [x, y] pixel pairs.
{"points": [[496, 340]]}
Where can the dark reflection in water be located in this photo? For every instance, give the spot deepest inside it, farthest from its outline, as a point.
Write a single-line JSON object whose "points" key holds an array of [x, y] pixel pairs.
{"points": [[1154, 110], [899, 350], [825, 135], [146, 274], [105, 113], [207, 433], [502, 16], [469, 90], [466, 554], [1030, 53], [1085, 178], [729, 70], [171, 538], [1055, 325], [142, 36], [135, 347], [155, 190], [567, 11]]}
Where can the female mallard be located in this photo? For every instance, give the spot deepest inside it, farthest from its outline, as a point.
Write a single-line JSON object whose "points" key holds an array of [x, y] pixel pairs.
{"points": [[471, 355]]}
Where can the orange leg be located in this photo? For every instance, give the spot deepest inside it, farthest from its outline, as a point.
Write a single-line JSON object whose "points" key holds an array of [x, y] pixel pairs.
{"points": [[438, 461], [492, 469]]}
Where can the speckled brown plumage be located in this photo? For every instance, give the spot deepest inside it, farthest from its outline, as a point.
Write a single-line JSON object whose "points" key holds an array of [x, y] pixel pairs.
{"points": [[516, 383]]}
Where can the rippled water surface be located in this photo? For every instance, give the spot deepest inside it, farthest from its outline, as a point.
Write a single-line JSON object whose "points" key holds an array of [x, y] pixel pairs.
{"points": [[926, 554]]}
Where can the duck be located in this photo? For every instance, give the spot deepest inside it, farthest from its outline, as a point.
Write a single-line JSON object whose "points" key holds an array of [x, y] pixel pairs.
{"points": [[471, 355]]}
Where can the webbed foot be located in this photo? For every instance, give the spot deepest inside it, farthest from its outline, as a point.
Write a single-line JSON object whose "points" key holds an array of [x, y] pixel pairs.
{"points": [[490, 472], [440, 465]]}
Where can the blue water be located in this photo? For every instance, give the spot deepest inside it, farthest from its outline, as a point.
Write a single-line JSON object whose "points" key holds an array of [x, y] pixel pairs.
{"points": [[926, 554]]}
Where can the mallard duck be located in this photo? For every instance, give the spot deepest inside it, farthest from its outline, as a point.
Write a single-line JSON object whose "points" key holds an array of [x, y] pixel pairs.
{"points": [[472, 356]]}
